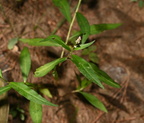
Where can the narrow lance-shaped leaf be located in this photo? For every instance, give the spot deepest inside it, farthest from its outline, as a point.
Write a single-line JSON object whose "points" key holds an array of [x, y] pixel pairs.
{"points": [[83, 46], [4, 89], [57, 40], [104, 77], [1, 76], [46, 92], [98, 28], [76, 34], [60, 42], [35, 112], [38, 42], [93, 57], [64, 7], [89, 50], [84, 26], [4, 107], [84, 83], [25, 63], [43, 70], [86, 69], [12, 42], [29, 94], [94, 101]]}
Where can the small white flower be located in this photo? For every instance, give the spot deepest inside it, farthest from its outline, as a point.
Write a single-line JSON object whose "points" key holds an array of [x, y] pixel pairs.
{"points": [[78, 40]]}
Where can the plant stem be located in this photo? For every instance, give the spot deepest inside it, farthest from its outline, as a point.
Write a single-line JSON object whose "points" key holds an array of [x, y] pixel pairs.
{"points": [[70, 28]]}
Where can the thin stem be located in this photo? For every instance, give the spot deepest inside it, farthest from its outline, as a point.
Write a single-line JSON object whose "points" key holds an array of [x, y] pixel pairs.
{"points": [[70, 28]]}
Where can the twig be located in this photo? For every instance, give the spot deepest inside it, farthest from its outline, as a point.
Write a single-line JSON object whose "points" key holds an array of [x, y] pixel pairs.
{"points": [[128, 119], [98, 117]]}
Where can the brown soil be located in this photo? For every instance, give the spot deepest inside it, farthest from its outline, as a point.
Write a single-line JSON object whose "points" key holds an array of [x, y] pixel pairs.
{"points": [[120, 52]]}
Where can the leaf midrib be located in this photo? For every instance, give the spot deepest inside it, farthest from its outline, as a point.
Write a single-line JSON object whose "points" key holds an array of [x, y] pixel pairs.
{"points": [[94, 79], [50, 64], [42, 100]]}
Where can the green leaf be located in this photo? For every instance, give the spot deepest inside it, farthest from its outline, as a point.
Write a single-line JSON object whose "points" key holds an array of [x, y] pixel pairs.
{"points": [[86, 51], [94, 101], [76, 34], [35, 112], [46, 92], [83, 46], [1, 76], [43, 70], [4, 89], [29, 94], [30, 85], [84, 83], [93, 57], [64, 7], [104, 77], [25, 63], [84, 26], [89, 50], [4, 106], [55, 74], [56, 39], [86, 69], [22, 116], [98, 28], [92, 48], [38, 42], [12, 42], [141, 3]]}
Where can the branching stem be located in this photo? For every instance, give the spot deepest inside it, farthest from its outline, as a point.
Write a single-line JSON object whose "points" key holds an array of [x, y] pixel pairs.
{"points": [[70, 27]]}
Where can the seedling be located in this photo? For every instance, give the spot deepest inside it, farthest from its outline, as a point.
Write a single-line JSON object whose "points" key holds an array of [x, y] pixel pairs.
{"points": [[90, 71]]}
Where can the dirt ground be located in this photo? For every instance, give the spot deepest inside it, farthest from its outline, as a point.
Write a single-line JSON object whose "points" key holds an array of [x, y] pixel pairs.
{"points": [[120, 52]]}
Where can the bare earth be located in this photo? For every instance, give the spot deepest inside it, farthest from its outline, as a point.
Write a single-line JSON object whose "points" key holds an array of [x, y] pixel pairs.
{"points": [[120, 52]]}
